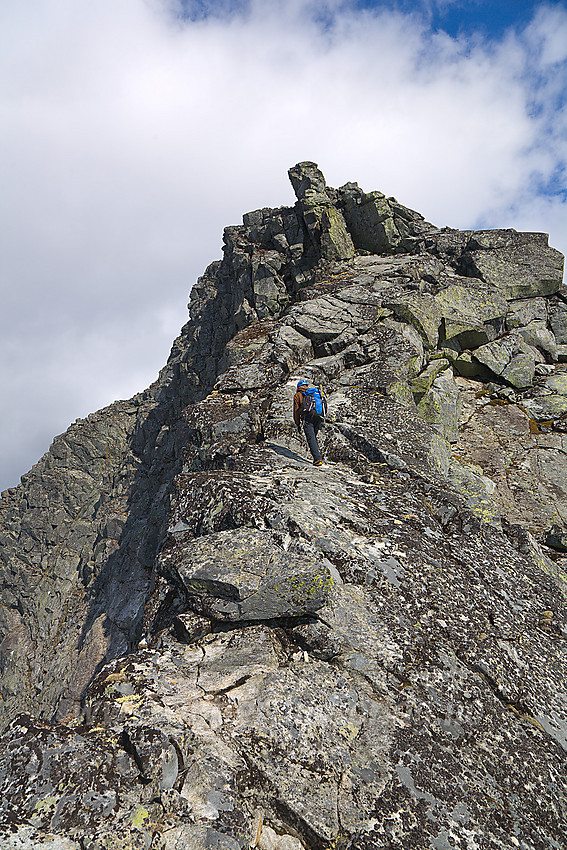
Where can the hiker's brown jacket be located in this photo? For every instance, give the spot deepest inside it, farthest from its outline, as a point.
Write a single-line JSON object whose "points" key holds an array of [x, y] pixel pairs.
{"points": [[297, 405]]}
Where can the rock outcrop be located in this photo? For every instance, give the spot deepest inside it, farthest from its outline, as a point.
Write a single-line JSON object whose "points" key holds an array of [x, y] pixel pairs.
{"points": [[208, 642]]}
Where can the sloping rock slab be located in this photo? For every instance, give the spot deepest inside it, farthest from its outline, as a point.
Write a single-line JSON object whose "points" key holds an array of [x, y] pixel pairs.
{"points": [[387, 432], [541, 339], [217, 500], [528, 469], [54, 779], [546, 408], [245, 575], [525, 311], [440, 406]]}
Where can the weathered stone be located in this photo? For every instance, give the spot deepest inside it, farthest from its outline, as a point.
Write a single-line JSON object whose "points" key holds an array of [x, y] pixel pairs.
{"points": [[546, 407], [326, 318], [379, 224], [306, 177], [267, 654], [440, 405], [466, 365], [385, 431], [554, 383], [472, 314], [422, 382], [508, 358], [525, 311], [558, 319], [556, 538], [541, 338], [336, 243], [324, 221], [528, 468], [521, 265], [245, 575], [421, 311], [270, 295], [477, 490], [190, 627]]}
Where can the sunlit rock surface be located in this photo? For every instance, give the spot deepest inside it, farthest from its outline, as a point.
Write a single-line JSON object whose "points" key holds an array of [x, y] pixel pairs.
{"points": [[206, 642]]}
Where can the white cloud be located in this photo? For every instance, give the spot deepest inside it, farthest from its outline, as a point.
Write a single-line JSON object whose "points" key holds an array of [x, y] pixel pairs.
{"points": [[132, 137]]}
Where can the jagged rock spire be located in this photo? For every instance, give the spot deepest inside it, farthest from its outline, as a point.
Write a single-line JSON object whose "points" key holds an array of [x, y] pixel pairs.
{"points": [[307, 180]]}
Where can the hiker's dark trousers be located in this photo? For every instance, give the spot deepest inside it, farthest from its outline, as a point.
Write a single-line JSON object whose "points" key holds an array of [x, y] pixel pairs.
{"points": [[311, 425]]}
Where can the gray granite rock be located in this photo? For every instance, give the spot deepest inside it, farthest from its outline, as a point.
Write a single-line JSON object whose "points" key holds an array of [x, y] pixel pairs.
{"points": [[472, 313], [246, 575], [521, 265], [540, 338], [558, 319], [440, 405], [527, 311], [379, 224], [325, 223], [510, 358], [546, 406], [249, 651]]}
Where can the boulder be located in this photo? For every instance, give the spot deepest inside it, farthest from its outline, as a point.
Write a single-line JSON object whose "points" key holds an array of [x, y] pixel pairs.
{"points": [[510, 358], [548, 402], [379, 224], [473, 314], [245, 575], [521, 265], [307, 180], [526, 311], [540, 338], [556, 538], [292, 348], [421, 311], [462, 315]]}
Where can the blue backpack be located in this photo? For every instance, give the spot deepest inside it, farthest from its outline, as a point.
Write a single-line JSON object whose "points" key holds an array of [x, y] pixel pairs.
{"points": [[314, 401]]}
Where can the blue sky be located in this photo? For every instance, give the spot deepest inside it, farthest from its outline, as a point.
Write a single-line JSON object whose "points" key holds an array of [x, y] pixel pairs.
{"points": [[133, 132], [461, 17]]}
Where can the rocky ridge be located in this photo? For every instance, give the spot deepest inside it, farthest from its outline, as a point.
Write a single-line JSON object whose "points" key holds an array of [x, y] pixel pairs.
{"points": [[206, 642]]}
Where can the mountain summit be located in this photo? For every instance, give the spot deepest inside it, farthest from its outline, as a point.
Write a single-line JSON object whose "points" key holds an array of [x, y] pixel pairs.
{"points": [[206, 642]]}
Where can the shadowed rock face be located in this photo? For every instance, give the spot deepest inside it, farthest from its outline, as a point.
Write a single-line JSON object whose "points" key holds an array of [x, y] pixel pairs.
{"points": [[208, 642]]}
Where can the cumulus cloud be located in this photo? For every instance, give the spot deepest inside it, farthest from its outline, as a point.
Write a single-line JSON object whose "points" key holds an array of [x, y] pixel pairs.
{"points": [[135, 131]]}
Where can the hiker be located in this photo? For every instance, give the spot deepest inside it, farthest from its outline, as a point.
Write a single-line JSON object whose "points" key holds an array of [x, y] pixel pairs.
{"points": [[310, 407]]}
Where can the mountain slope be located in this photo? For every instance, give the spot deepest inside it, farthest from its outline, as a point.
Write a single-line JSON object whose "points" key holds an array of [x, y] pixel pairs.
{"points": [[366, 655]]}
